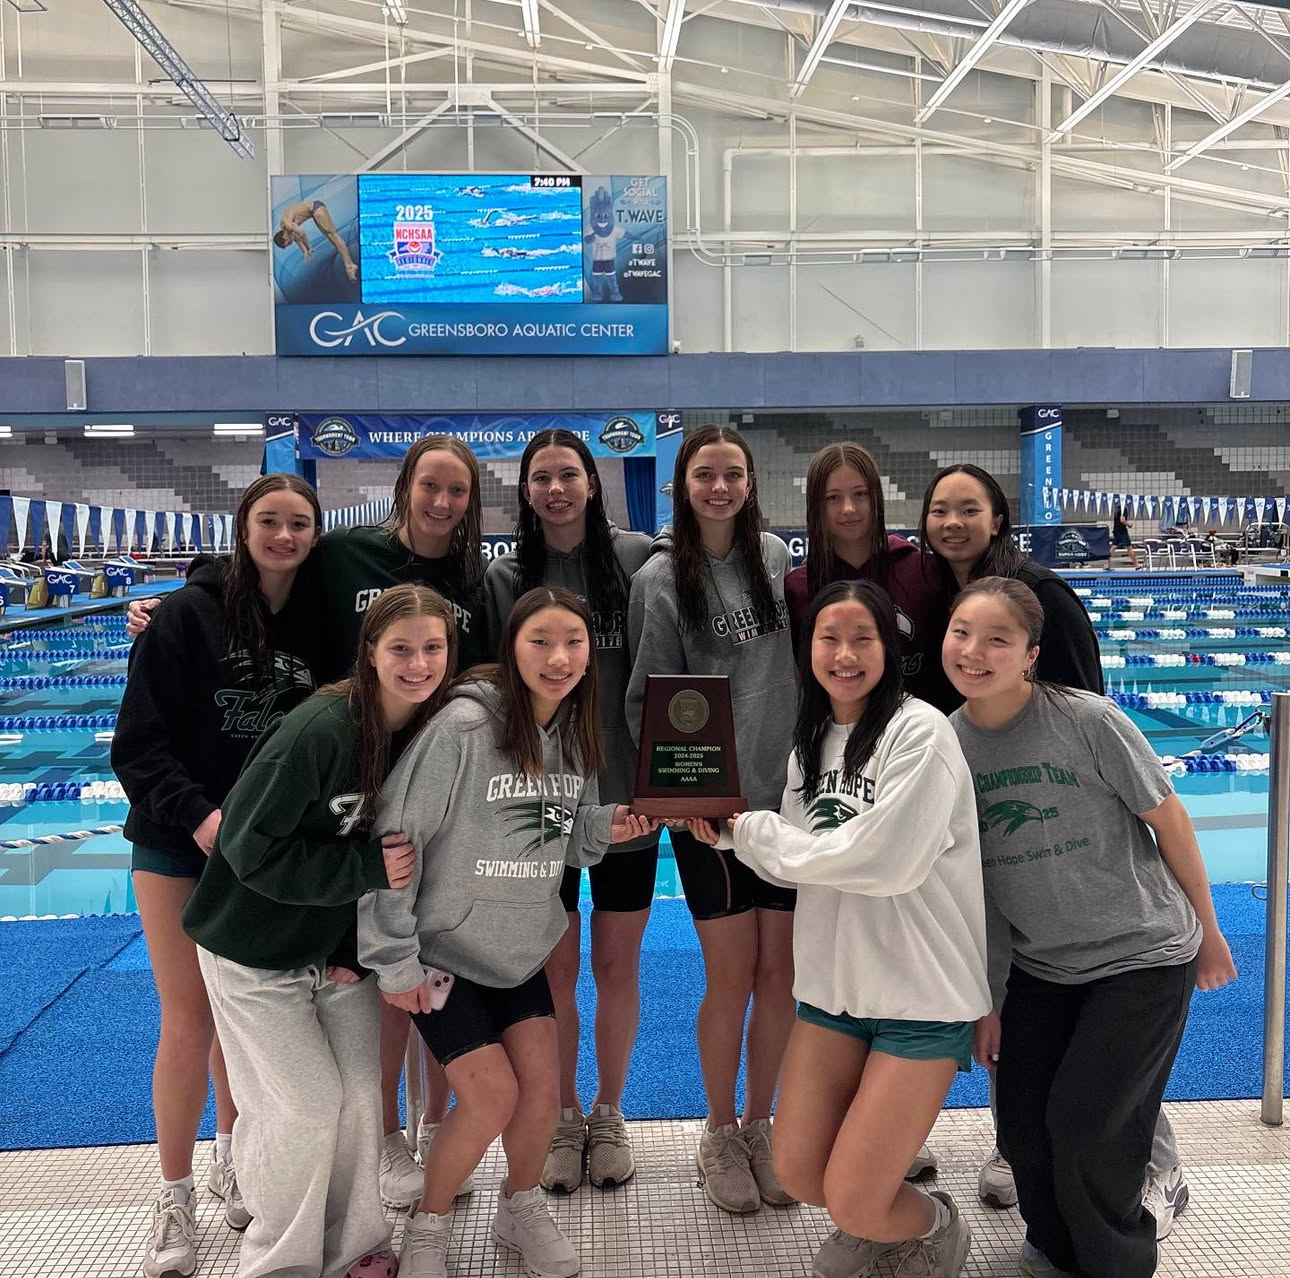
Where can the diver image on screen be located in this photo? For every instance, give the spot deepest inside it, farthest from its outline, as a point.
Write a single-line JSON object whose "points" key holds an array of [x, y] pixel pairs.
{"points": [[289, 231], [470, 239], [315, 238]]}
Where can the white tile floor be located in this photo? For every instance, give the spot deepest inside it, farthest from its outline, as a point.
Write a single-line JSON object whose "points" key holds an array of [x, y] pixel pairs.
{"points": [[84, 1213]]}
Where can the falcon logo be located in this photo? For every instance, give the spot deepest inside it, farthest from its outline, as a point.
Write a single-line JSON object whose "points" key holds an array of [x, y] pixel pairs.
{"points": [[828, 814], [1012, 814], [540, 818]]}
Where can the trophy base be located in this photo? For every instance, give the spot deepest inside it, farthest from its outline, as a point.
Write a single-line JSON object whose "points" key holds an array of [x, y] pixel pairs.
{"points": [[713, 808]]}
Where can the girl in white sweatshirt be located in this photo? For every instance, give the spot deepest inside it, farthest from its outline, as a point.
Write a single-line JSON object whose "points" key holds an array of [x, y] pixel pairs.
{"points": [[879, 836]]}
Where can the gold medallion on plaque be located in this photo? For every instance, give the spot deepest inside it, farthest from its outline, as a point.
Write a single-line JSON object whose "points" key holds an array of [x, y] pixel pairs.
{"points": [[688, 711]]}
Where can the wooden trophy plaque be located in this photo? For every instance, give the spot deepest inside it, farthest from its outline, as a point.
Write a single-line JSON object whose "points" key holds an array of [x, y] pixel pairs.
{"points": [[687, 765]]}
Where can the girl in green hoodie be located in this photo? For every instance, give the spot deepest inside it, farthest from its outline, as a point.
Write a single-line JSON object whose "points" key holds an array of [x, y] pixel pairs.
{"points": [[274, 921]]}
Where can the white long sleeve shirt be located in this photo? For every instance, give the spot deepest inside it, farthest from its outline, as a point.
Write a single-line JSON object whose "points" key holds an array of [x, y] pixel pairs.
{"points": [[890, 918]]}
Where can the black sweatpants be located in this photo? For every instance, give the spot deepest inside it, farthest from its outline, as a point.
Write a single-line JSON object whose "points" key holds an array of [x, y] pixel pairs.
{"points": [[1082, 1071]]}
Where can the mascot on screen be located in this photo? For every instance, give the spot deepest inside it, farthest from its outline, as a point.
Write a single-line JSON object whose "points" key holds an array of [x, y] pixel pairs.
{"points": [[604, 236]]}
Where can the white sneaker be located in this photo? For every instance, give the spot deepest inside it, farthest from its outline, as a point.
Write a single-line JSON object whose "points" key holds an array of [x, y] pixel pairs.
{"points": [[221, 1180], [843, 1255], [426, 1133], [1165, 1197], [995, 1185], [172, 1249], [424, 1253], [401, 1178], [924, 1164], [563, 1167], [524, 1224]]}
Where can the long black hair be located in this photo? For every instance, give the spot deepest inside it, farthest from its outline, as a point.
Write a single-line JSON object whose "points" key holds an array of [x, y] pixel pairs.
{"points": [[815, 710], [606, 582], [1001, 558], [690, 563], [246, 615]]}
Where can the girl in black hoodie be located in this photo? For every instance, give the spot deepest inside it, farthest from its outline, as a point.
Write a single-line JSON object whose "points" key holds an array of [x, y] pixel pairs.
{"points": [[226, 656]]}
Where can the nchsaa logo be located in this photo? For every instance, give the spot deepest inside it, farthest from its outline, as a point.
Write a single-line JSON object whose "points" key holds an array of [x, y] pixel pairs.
{"points": [[621, 434], [335, 437]]}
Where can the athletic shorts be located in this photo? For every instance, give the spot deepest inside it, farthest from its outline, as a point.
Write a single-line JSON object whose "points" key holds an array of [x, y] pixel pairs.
{"points": [[910, 1040], [620, 884], [718, 885], [174, 865], [476, 1015]]}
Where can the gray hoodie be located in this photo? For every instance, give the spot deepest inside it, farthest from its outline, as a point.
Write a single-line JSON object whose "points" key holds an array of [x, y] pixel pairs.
{"points": [[484, 898], [613, 660], [763, 683]]}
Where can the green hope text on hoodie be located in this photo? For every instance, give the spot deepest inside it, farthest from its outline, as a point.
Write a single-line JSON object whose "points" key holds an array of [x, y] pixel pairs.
{"points": [[484, 898], [613, 659], [758, 660]]}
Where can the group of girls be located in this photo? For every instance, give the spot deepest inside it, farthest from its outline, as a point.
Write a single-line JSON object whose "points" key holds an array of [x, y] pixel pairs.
{"points": [[456, 814]]}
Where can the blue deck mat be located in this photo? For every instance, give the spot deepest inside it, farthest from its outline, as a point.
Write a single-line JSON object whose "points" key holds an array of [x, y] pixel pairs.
{"points": [[78, 1025]]}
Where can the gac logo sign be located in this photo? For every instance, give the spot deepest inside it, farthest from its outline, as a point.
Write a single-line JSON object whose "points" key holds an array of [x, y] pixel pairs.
{"points": [[327, 329]]}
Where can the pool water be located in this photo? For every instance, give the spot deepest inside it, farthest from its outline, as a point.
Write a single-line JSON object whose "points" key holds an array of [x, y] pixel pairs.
{"points": [[1186, 657]]}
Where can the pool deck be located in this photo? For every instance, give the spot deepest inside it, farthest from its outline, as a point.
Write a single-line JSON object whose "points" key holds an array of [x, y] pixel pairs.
{"points": [[80, 1212]]}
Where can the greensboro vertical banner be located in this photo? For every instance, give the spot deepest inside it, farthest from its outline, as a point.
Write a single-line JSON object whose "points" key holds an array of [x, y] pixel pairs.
{"points": [[1041, 462], [470, 264]]}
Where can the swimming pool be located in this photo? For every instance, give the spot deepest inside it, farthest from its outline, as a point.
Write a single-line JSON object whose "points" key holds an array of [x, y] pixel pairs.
{"points": [[1187, 658]]}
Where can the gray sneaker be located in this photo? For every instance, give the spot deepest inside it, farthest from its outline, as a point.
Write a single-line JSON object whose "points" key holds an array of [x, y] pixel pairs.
{"points": [[940, 1256], [1165, 1197], [426, 1132], [562, 1170], [1034, 1264], [172, 1249], [609, 1151], [424, 1253], [524, 1224], [843, 1255], [761, 1162], [995, 1185], [221, 1180], [401, 1178], [924, 1165], [724, 1170]]}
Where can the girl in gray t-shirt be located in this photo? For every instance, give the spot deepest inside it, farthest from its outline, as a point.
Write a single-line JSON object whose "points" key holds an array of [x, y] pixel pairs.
{"points": [[1107, 928]]}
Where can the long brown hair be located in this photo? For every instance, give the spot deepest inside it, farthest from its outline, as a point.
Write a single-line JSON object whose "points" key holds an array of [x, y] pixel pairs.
{"points": [[819, 551], [690, 563], [362, 688], [464, 546], [246, 615], [519, 739]]}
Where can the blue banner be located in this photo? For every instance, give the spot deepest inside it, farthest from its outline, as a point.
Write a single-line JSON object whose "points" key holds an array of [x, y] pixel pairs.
{"points": [[1041, 463], [668, 444], [1067, 546], [469, 264], [490, 436]]}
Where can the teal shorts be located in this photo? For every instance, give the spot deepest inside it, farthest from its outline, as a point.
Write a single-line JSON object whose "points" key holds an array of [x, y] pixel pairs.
{"points": [[910, 1040]]}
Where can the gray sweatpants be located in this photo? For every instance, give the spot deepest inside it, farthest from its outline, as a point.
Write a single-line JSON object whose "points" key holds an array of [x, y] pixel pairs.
{"points": [[1164, 1144], [303, 1057]]}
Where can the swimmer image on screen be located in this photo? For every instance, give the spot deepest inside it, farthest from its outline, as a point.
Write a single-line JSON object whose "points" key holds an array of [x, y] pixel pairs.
{"points": [[478, 238], [289, 231], [603, 234]]}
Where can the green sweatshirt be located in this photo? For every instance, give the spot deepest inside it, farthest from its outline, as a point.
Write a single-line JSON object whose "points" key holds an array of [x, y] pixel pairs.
{"points": [[293, 852], [357, 564]]}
